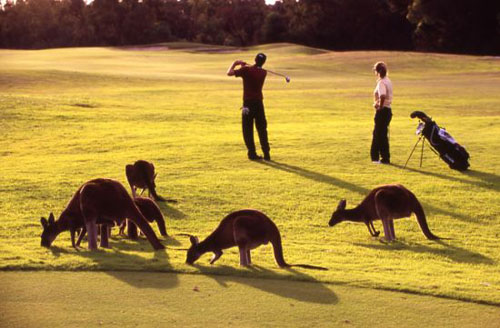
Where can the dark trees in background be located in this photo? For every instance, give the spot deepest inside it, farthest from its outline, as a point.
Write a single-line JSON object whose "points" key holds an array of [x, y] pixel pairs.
{"points": [[347, 24], [456, 25], [461, 26]]}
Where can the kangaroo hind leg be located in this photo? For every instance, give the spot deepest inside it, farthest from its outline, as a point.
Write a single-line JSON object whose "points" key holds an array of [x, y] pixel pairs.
{"points": [[391, 228], [243, 256], [105, 233], [92, 234], [383, 212]]}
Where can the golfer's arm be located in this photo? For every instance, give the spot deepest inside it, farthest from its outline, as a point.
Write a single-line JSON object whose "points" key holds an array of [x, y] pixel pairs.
{"points": [[230, 71]]}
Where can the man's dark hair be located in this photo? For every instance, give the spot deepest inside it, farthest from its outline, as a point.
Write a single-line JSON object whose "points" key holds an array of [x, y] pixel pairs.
{"points": [[260, 59], [381, 68]]}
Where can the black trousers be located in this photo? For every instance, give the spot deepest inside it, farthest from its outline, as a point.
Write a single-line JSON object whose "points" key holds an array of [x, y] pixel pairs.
{"points": [[256, 113], [380, 141]]}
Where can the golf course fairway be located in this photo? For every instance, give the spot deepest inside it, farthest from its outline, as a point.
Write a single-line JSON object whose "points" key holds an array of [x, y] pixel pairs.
{"points": [[71, 115]]}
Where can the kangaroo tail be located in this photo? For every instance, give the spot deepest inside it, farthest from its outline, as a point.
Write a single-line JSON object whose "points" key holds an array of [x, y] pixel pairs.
{"points": [[422, 221], [280, 260], [278, 251], [307, 266], [182, 234], [177, 249]]}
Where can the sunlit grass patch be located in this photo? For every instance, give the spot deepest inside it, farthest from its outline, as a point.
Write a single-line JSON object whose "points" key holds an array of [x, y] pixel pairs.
{"points": [[70, 115]]}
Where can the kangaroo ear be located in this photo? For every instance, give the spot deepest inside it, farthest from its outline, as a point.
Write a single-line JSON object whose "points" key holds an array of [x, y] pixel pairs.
{"points": [[194, 240], [51, 218], [342, 205], [44, 222]]}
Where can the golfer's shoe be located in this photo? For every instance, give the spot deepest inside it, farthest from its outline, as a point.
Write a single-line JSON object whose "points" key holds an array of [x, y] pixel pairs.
{"points": [[254, 157], [267, 156]]}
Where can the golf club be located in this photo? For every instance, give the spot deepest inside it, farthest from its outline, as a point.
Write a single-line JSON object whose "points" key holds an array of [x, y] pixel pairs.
{"points": [[279, 74]]}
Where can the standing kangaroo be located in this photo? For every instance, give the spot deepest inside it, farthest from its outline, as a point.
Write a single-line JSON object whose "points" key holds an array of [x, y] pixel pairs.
{"points": [[98, 200], [386, 203], [247, 229], [142, 175]]}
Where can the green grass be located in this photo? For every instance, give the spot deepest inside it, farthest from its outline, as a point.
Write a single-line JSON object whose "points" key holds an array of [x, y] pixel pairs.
{"points": [[70, 115], [131, 299]]}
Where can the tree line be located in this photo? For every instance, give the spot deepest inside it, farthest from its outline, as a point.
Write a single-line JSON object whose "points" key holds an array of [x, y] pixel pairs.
{"points": [[458, 26]]}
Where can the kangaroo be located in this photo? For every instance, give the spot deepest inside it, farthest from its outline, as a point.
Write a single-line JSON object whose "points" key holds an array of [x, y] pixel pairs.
{"points": [[386, 203], [247, 229], [151, 212], [97, 201], [142, 175], [148, 208]]}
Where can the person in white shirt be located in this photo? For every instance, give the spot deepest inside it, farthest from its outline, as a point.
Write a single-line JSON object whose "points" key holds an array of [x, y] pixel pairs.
{"points": [[382, 103]]}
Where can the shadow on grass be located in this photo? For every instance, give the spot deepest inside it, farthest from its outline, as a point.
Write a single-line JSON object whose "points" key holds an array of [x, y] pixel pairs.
{"points": [[454, 253], [170, 211], [123, 266], [319, 177], [487, 179], [272, 282], [315, 176], [117, 262]]}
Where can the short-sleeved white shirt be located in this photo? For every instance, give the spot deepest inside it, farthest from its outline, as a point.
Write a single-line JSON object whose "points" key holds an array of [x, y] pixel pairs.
{"points": [[384, 87]]}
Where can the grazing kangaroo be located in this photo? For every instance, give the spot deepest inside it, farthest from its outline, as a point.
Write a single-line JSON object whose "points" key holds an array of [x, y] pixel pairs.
{"points": [[151, 212], [148, 208], [386, 203], [96, 201], [247, 229], [142, 175]]}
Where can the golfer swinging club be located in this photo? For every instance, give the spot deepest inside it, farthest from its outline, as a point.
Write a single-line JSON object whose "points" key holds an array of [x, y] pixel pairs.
{"points": [[253, 107]]}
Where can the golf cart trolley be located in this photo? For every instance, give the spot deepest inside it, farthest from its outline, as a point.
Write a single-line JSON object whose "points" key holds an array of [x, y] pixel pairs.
{"points": [[441, 142]]}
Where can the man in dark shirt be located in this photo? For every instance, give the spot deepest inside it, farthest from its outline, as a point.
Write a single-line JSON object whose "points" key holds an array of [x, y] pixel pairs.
{"points": [[253, 107]]}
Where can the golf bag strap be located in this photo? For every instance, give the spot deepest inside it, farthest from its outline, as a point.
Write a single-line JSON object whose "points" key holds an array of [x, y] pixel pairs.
{"points": [[432, 135]]}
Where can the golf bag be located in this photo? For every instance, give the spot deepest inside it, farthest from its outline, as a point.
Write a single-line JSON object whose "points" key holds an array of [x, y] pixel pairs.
{"points": [[442, 142]]}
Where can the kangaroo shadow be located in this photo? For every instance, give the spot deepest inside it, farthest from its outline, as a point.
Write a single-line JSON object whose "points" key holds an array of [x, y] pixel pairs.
{"points": [[57, 251], [170, 212], [454, 253], [124, 266], [319, 177], [271, 282], [487, 179]]}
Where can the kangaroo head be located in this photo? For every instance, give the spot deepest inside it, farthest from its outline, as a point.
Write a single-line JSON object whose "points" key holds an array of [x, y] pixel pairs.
{"points": [[193, 254], [338, 214], [50, 230]]}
